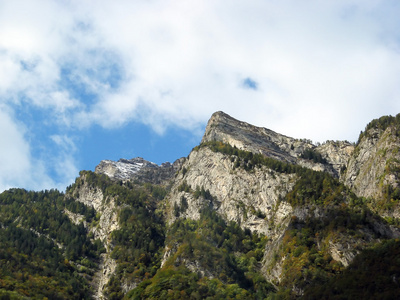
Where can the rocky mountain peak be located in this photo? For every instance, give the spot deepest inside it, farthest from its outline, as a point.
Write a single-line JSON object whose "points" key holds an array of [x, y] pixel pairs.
{"points": [[123, 169], [138, 169], [223, 128]]}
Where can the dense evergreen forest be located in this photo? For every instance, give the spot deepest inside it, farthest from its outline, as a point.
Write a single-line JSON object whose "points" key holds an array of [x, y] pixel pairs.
{"points": [[40, 248]]}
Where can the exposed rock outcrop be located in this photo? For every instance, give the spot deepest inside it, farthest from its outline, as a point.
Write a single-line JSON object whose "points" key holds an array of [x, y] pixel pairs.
{"points": [[222, 127], [337, 154], [249, 198], [138, 169], [123, 169], [373, 171], [106, 269], [75, 218], [108, 222], [368, 170]]}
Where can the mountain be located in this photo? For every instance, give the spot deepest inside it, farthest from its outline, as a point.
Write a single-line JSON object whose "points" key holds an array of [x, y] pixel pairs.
{"points": [[248, 214]]}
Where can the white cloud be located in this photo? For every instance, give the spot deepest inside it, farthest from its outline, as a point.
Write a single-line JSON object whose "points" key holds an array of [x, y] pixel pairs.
{"points": [[17, 166], [323, 68], [317, 63]]}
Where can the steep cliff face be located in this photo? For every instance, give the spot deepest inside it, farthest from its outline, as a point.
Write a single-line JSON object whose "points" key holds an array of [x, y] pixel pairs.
{"points": [[250, 199], [337, 154], [106, 208], [373, 169], [126, 223], [222, 127]]}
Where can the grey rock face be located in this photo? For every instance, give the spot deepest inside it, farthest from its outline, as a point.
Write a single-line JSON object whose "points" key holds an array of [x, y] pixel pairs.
{"points": [[138, 169], [224, 128], [371, 168], [123, 169], [337, 153], [221, 127], [160, 174], [238, 195], [108, 222], [252, 199]]}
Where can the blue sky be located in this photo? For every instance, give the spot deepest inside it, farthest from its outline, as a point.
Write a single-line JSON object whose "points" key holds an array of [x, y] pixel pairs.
{"points": [[82, 81]]}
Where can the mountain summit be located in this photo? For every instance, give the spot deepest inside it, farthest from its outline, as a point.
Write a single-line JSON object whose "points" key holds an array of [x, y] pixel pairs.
{"points": [[223, 128], [248, 214]]}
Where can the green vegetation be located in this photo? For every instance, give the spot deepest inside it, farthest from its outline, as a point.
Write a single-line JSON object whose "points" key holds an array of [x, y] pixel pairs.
{"points": [[33, 266], [225, 251], [79, 208], [31, 263], [43, 213], [138, 243], [374, 274], [306, 245], [184, 187], [33, 222], [390, 194], [249, 160], [319, 188], [313, 155], [382, 123], [178, 209], [180, 283], [203, 193]]}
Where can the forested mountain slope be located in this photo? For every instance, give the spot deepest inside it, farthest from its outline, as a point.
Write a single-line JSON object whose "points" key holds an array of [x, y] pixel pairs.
{"points": [[249, 214]]}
